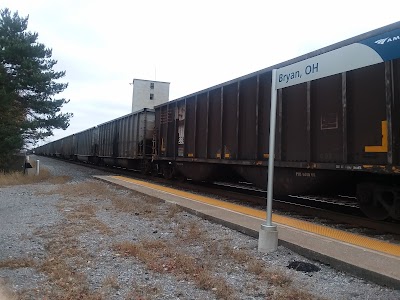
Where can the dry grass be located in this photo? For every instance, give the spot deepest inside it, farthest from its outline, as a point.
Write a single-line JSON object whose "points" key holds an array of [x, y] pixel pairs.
{"points": [[111, 282], [276, 278], [18, 178], [194, 232], [212, 249], [60, 272], [87, 188], [190, 232], [64, 255], [5, 292], [149, 252], [223, 290], [84, 217], [139, 205], [238, 255], [167, 257], [256, 267], [144, 292], [216, 251], [272, 276], [288, 294], [58, 179], [161, 257], [58, 246], [130, 204], [17, 263], [154, 245], [127, 202], [66, 282], [173, 211]]}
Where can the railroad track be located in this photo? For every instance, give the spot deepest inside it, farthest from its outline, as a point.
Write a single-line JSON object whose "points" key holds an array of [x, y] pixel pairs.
{"points": [[340, 203], [341, 211]]}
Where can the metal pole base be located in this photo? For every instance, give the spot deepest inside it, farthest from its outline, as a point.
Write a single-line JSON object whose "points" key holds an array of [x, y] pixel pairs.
{"points": [[268, 238], [37, 167]]}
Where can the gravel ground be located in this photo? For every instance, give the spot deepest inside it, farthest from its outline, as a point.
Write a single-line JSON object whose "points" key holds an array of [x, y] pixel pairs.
{"points": [[71, 237]]}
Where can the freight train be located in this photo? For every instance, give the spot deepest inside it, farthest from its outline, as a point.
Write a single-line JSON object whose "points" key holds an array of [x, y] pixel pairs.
{"points": [[338, 134]]}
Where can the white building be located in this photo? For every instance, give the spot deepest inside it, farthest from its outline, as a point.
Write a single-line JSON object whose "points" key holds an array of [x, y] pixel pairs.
{"points": [[149, 93]]}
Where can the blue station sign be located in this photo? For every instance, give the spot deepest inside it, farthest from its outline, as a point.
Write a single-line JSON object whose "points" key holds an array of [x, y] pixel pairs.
{"points": [[377, 49]]}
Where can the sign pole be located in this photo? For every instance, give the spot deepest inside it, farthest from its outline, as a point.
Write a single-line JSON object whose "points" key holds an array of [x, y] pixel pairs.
{"points": [[268, 235], [270, 188], [367, 52]]}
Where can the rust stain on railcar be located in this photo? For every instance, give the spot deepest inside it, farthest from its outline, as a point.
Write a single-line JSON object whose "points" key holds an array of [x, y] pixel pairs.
{"points": [[162, 144]]}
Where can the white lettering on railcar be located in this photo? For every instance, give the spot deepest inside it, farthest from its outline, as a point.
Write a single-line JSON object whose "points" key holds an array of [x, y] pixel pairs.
{"points": [[305, 174]]}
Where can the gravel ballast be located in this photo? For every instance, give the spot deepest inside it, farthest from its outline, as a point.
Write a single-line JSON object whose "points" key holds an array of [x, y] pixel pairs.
{"points": [[72, 237]]}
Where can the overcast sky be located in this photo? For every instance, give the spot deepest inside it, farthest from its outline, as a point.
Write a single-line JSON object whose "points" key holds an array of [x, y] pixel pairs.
{"points": [[103, 45]]}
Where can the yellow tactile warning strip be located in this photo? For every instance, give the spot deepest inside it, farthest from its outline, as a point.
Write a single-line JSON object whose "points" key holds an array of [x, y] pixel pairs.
{"points": [[350, 238]]}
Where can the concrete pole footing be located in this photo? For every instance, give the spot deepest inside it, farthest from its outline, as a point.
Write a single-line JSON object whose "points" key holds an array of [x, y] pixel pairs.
{"points": [[37, 167], [268, 238]]}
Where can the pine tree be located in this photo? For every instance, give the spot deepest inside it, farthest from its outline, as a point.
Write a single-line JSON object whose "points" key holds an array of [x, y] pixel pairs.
{"points": [[29, 110]]}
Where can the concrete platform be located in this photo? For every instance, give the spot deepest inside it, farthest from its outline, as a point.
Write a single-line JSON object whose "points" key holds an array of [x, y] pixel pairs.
{"points": [[365, 257]]}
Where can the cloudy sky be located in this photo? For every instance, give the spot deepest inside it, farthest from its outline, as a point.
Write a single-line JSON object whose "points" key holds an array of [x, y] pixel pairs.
{"points": [[103, 45]]}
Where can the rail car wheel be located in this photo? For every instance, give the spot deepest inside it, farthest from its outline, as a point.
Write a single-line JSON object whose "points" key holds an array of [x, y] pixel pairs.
{"points": [[145, 167], [168, 171], [370, 202], [155, 170]]}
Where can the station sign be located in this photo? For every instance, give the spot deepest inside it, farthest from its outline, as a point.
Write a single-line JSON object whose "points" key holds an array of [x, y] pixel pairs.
{"points": [[377, 49]]}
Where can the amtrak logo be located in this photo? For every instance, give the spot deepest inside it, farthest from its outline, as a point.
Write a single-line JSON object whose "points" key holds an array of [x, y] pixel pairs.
{"points": [[387, 40]]}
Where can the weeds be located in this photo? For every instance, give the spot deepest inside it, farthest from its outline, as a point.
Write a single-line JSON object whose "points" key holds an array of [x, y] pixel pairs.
{"points": [[161, 257], [273, 277], [17, 263], [5, 292], [239, 256], [145, 206], [144, 292], [86, 213], [87, 188], [254, 266], [65, 257], [189, 232], [276, 278], [63, 179], [112, 282], [288, 294], [212, 249], [126, 202], [19, 178], [173, 211]]}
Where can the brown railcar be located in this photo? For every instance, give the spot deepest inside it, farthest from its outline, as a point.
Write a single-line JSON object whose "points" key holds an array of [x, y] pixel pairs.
{"points": [[338, 134]]}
